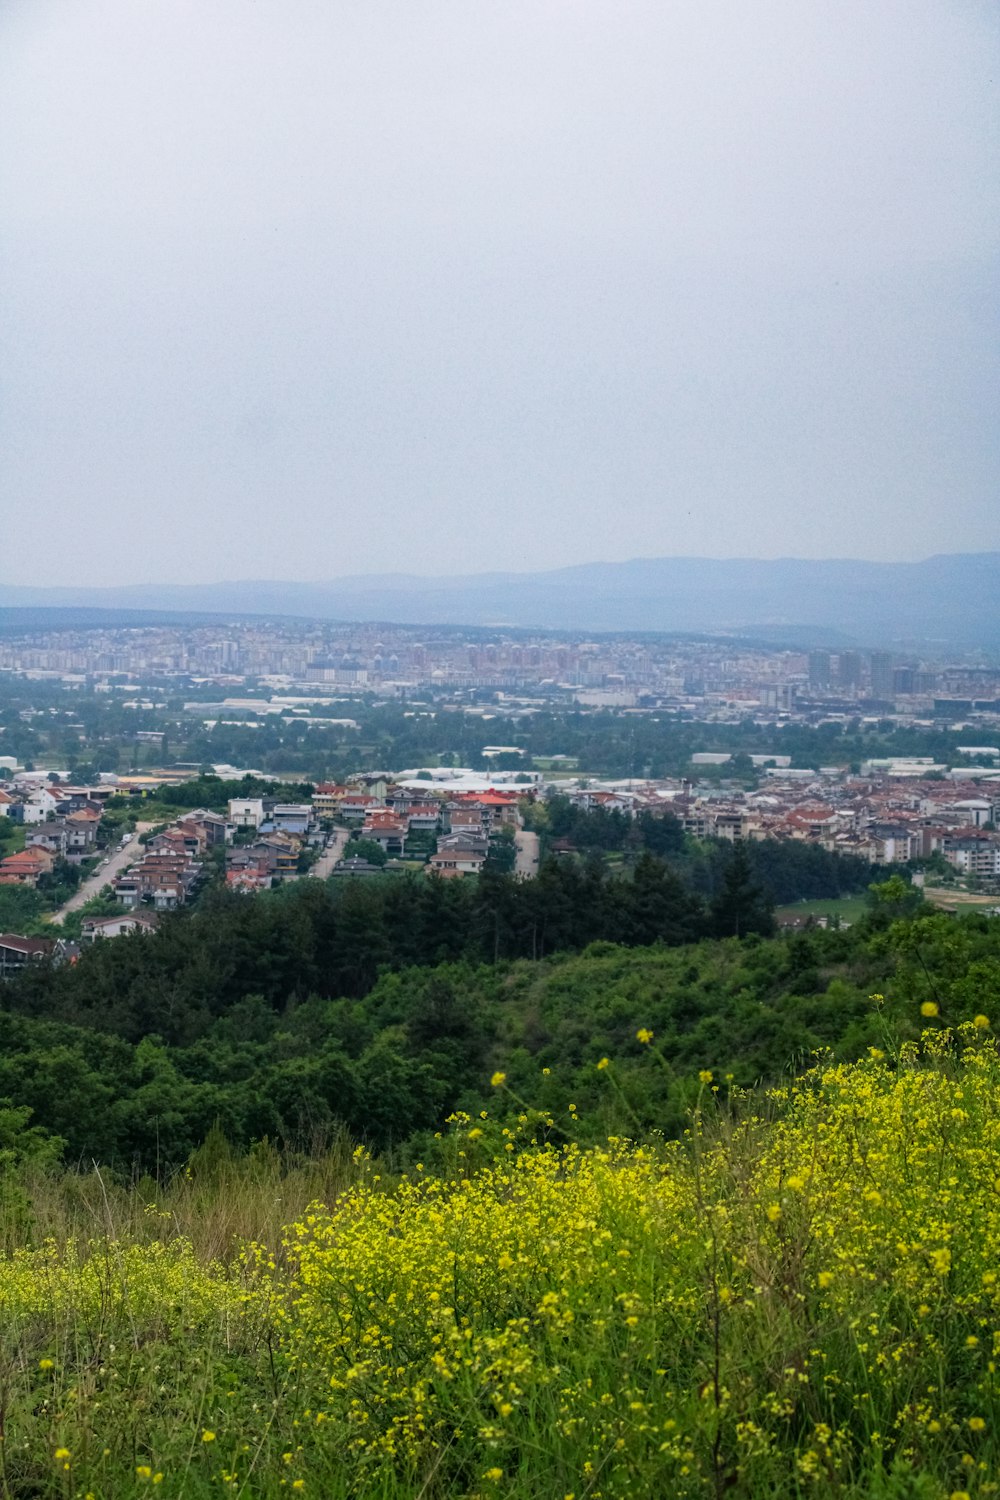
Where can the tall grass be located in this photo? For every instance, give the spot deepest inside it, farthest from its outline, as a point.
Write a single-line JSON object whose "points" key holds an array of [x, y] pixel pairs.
{"points": [[220, 1201], [801, 1297]]}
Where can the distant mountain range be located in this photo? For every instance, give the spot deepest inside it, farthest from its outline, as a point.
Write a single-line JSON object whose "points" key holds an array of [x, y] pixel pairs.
{"points": [[951, 600]]}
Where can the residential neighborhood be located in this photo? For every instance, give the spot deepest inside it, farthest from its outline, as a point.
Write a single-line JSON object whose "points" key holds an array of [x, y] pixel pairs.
{"points": [[898, 813], [359, 751]]}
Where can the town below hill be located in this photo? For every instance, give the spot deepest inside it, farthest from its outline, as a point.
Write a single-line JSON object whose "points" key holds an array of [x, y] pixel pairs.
{"points": [[105, 859]]}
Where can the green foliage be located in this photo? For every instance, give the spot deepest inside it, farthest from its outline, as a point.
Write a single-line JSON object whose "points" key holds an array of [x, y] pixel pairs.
{"points": [[892, 899], [21, 1143], [502, 853], [799, 1297], [368, 849], [740, 905], [98, 906], [787, 870], [275, 1019], [21, 910], [12, 837]]}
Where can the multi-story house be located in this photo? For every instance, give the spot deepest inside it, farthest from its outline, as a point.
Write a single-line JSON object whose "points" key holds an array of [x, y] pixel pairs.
{"points": [[51, 836]]}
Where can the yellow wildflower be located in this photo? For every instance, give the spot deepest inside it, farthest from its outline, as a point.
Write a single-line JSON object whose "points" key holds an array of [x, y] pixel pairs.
{"points": [[498, 1080], [929, 1009], [644, 1035]]}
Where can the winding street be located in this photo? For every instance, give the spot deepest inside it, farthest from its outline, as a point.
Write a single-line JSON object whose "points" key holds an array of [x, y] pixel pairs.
{"points": [[103, 875]]}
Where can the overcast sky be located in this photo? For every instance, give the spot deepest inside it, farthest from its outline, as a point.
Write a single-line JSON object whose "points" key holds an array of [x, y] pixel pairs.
{"points": [[299, 288]]}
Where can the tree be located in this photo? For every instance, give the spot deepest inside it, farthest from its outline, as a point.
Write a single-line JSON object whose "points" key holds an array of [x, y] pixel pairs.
{"points": [[502, 852], [368, 849], [20, 910], [892, 899], [658, 906], [740, 905]]}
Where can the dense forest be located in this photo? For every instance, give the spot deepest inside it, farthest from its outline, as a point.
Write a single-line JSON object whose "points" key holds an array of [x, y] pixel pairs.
{"points": [[385, 1005]]}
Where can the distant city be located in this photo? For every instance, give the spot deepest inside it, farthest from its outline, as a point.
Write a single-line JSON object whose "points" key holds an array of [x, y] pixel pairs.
{"points": [[886, 757], [719, 676]]}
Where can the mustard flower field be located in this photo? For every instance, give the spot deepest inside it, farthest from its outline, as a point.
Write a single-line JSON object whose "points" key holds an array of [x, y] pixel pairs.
{"points": [[800, 1297]]}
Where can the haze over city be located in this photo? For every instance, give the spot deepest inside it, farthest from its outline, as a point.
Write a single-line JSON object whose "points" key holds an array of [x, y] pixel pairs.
{"points": [[298, 292]]}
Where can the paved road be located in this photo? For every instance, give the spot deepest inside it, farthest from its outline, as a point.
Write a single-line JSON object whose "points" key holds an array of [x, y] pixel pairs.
{"points": [[334, 849], [94, 884], [526, 864]]}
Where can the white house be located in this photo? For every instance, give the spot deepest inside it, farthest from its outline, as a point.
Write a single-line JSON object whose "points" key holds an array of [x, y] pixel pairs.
{"points": [[246, 812], [111, 927]]}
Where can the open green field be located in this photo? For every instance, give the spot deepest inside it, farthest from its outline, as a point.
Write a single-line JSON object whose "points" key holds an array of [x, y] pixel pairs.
{"points": [[847, 908]]}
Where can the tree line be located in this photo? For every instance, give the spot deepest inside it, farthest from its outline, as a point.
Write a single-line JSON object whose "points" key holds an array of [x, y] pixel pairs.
{"points": [[140, 1090], [333, 938]]}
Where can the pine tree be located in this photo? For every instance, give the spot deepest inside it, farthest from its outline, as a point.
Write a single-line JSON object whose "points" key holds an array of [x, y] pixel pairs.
{"points": [[740, 905]]}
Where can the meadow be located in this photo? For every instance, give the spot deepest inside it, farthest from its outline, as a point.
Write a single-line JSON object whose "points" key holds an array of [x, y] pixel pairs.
{"points": [[842, 909], [798, 1296]]}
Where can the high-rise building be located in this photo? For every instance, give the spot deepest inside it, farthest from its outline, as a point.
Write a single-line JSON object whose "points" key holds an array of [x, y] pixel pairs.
{"points": [[849, 669], [819, 669], [880, 666], [776, 695]]}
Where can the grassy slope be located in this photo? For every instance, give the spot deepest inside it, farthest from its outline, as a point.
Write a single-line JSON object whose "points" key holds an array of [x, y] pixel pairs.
{"points": [[800, 1298]]}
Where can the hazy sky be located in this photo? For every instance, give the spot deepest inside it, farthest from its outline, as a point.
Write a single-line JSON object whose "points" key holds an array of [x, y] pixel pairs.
{"points": [[298, 288]]}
